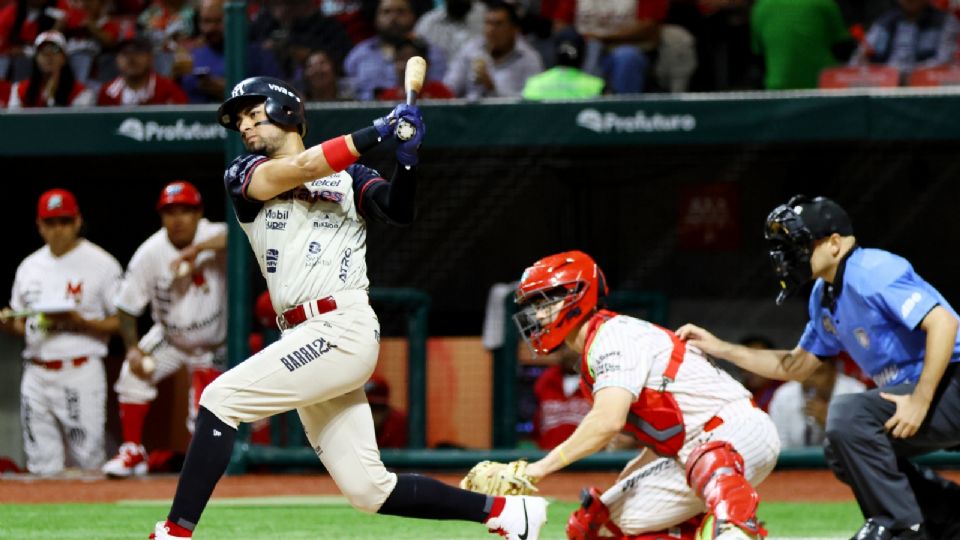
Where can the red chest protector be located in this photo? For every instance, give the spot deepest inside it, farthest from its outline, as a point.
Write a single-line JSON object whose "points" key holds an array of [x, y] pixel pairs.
{"points": [[655, 417]]}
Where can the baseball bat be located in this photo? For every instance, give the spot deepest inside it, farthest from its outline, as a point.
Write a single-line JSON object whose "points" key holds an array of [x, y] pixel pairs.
{"points": [[413, 77]]}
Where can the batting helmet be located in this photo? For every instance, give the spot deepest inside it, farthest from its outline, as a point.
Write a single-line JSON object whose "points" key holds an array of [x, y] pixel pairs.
{"points": [[555, 295], [179, 192], [284, 106], [792, 228]]}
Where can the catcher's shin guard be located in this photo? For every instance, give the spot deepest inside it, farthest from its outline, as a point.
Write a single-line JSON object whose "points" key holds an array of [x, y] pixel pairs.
{"points": [[715, 472], [591, 518]]}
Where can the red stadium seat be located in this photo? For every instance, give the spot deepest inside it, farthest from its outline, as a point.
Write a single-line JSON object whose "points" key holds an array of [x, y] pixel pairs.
{"points": [[859, 77], [935, 76]]}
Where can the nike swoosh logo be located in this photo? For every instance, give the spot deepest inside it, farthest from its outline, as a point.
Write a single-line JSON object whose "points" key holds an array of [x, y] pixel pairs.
{"points": [[526, 521]]}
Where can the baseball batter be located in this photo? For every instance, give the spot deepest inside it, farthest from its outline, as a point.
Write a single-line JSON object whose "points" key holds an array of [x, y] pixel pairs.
{"points": [[708, 444], [902, 332], [180, 271], [304, 211], [62, 303]]}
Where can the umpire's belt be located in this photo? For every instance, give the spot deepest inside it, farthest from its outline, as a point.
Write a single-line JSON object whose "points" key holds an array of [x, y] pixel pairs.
{"points": [[307, 310], [57, 365]]}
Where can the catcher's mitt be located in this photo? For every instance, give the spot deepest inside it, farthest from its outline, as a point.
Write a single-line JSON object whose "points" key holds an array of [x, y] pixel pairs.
{"points": [[495, 478]]}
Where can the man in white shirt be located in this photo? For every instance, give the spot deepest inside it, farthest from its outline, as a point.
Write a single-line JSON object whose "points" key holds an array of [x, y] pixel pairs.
{"points": [[61, 303], [180, 271]]}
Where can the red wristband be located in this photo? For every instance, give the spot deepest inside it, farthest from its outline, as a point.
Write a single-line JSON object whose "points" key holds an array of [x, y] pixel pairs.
{"points": [[337, 153]]}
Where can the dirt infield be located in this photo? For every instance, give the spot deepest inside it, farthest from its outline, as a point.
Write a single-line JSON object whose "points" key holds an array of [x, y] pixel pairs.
{"points": [[780, 486]]}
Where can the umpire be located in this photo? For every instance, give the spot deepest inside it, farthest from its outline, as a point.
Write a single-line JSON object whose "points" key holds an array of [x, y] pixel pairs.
{"points": [[902, 332]]}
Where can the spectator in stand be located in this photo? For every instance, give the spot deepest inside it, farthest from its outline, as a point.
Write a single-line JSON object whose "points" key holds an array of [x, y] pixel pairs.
{"points": [[51, 82], [566, 80], [319, 79], [450, 25], [761, 387], [293, 28], [432, 89], [913, 35], [799, 409], [389, 423], [797, 40], [21, 21], [675, 59], [370, 64], [561, 406], [616, 33], [167, 21], [138, 83], [206, 81], [498, 63], [4, 93], [90, 28], [351, 14]]}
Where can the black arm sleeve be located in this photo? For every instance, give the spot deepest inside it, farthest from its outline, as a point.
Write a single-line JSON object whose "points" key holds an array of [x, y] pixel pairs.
{"points": [[391, 202], [236, 179]]}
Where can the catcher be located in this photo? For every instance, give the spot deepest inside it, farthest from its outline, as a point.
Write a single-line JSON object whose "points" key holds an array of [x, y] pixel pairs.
{"points": [[707, 445]]}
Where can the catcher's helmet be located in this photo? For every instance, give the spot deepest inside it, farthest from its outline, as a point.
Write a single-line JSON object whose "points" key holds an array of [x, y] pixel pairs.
{"points": [[179, 192], [792, 228], [556, 294], [283, 103]]}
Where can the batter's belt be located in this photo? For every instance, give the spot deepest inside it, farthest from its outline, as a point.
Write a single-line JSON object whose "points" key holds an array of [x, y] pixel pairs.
{"points": [[314, 308]]}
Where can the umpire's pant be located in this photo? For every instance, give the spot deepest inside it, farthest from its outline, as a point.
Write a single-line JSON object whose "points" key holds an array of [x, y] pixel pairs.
{"points": [[887, 487]]}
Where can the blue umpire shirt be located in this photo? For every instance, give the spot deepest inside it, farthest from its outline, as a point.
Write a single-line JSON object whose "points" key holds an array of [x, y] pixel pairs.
{"points": [[878, 304]]}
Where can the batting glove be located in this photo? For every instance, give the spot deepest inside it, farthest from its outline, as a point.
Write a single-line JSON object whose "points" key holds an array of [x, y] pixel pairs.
{"points": [[407, 150]]}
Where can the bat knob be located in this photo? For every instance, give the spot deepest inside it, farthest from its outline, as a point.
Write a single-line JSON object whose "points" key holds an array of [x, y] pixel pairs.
{"points": [[405, 130]]}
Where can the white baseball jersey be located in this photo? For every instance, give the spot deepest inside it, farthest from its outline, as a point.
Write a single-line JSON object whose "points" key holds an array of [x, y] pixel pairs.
{"points": [[311, 241], [191, 308], [83, 279], [632, 354]]}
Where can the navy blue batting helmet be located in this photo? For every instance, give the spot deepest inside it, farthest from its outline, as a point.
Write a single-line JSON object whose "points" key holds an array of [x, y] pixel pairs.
{"points": [[283, 103]]}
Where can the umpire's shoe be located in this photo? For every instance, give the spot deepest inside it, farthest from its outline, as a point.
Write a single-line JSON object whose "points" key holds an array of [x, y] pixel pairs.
{"points": [[873, 530], [522, 518]]}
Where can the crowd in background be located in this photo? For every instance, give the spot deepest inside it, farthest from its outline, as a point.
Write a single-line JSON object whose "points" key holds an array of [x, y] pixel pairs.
{"points": [[133, 52]]}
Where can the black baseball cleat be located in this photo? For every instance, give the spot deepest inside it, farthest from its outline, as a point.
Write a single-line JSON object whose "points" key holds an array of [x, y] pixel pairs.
{"points": [[872, 530]]}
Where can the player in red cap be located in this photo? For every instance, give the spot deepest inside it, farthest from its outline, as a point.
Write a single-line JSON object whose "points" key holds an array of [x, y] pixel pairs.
{"points": [[62, 304], [180, 271]]}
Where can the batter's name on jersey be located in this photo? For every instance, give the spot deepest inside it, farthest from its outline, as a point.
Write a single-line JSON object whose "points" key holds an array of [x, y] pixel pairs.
{"points": [[306, 354], [303, 194], [273, 257], [345, 264], [277, 219]]}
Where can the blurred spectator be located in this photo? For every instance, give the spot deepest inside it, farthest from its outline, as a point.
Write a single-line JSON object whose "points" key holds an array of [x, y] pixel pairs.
{"points": [[797, 39], [351, 14], [319, 79], [167, 21], [370, 64], [90, 28], [799, 409], [4, 92], [615, 33], [293, 28], [721, 29], [566, 80], [206, 81], [61, 303], [452, 24], [861, 13], [52, 82], [21, 21], [913, 35], [561, 405], [497, 64], [389, 423], [138, 83], [675, 61], [432, 89], [266, 331]]}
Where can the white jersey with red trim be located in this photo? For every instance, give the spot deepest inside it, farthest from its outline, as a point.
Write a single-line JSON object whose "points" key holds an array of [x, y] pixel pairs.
{"points": [[84, 280], [311, 241], [192, 308], [631, 353]]}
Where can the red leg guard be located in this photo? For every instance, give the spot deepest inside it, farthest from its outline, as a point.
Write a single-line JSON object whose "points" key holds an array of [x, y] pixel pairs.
{"points": [[591, 518], [715, 472]]}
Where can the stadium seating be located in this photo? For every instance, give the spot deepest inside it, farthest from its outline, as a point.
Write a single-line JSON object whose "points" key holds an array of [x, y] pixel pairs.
{"points": [[859, 77]]}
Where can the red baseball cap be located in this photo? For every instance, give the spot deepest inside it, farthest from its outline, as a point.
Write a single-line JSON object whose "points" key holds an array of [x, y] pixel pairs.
{"points": [[266, 316], [378, 391], [179, 192], [57, 203]]}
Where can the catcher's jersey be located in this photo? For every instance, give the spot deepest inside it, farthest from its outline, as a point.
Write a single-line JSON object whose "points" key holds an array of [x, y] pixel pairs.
{"points": [[310, 241], [631, 353], [83, 279], [191, 309]]}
